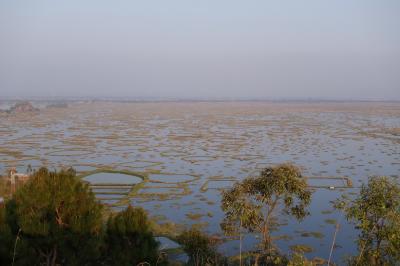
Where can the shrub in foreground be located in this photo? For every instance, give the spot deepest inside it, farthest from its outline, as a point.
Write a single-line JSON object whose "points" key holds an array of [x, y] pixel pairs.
{"points": [[129, 240], [200, 248]]}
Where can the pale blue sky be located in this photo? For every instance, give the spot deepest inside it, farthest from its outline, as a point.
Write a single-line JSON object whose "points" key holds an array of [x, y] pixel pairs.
{"points": [[339, 49]]}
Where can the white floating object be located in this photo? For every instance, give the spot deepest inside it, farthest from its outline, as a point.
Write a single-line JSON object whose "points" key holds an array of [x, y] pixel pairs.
{"points": [[331, 187]]}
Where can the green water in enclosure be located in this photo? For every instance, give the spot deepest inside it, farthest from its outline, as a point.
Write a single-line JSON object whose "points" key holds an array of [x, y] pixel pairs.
{"points": [[115, 178]]}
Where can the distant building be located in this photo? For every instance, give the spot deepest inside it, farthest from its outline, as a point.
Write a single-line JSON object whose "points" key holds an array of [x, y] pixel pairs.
{"points": [[16, 178]]}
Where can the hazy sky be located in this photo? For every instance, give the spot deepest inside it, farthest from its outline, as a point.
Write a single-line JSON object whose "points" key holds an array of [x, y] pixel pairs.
{"points": [[187, 49]]}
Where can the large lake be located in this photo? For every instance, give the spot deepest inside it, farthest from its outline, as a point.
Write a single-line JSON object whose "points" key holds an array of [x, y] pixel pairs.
{"points": [[196, 149]]}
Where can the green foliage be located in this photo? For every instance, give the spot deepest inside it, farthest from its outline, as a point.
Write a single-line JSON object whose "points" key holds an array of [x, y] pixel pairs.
{"points": [[57, 220], [270, 259], [240, 211], [129, 239], [376, 213], [298, 259], [254, 203], [6, 239], [200, 248]]}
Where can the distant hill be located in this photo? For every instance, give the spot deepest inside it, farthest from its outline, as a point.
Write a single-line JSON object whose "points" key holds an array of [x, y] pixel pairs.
{"points": [[22, 107]]}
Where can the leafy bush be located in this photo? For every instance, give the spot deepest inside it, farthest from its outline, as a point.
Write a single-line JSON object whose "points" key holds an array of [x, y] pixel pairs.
{"points": [[200, 248], [129, 240]]}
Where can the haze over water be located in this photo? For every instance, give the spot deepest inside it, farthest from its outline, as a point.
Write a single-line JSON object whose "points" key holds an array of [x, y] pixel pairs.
{"points": [[205, 49]]}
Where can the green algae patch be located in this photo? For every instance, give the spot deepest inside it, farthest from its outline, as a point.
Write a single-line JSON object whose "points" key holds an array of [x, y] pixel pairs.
{"points": [[194, 216], [327, 212], [330, 221]]}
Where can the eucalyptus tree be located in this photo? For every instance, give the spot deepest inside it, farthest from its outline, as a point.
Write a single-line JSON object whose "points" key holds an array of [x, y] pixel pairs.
{"points": [[256, 203], [239, 213], [376, 214]]}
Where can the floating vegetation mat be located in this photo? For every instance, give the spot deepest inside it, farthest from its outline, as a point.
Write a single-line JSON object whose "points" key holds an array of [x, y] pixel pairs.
{"points": [[162, 192], [172, 178], [218, 183], [140, 164], [199, 158], [186, 153], [69, 153], [329, 182]]}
